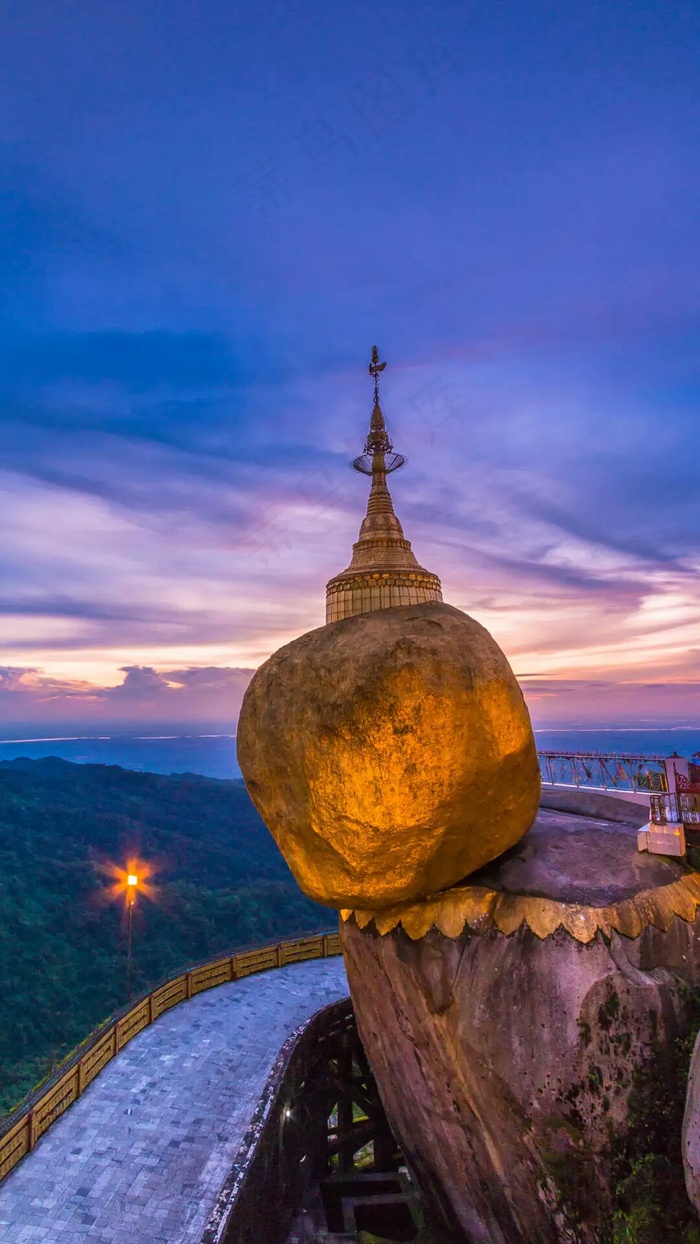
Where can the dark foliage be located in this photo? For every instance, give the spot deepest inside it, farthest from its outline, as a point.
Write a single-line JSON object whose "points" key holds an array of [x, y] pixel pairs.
{"points": [[221, 883], [651, 1200]]}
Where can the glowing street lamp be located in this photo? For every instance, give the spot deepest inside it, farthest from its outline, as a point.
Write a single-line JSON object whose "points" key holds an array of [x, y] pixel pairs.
{"points": [[127, 883], [132, 883]]}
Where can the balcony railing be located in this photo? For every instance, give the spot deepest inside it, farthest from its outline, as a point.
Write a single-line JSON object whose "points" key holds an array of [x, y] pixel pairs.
{"points": [[683, 808], [604, 770]]}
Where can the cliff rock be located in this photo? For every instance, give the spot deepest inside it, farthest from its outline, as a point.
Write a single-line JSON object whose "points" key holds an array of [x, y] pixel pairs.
{"points": [[507, 1022]]}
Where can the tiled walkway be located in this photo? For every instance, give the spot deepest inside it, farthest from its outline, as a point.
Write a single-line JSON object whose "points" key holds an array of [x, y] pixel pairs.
{"points": [[141, 1157]]}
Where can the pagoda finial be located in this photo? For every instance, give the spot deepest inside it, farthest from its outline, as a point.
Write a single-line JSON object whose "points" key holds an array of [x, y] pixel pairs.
{"points": [[379, 451], [375, 368]]}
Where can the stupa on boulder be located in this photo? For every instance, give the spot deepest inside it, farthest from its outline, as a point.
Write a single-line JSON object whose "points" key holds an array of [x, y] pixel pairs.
{"points": [[389, 752], [383, 572], [512, 989]]}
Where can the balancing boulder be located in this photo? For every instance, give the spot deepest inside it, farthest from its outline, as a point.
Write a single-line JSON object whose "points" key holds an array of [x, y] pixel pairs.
{"points": [[390, 754]]}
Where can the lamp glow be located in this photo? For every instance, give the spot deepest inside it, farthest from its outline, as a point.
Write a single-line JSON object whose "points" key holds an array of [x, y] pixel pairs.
{"points": [[128, 883]]}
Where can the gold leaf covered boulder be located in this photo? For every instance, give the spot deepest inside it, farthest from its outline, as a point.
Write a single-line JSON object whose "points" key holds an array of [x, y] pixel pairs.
{"points": [[390, 754]]}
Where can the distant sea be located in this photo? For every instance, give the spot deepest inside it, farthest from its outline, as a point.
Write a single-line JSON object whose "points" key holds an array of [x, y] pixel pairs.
{"points": [[213, 754], [209, 755]]}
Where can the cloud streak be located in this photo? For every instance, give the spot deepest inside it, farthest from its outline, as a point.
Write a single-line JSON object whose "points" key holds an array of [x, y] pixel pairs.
{"points": [[183, 356], [28, 695], [214, 695]]}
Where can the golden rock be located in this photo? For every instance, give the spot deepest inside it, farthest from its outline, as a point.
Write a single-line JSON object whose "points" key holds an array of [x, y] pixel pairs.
{"points": [[390, 754]]}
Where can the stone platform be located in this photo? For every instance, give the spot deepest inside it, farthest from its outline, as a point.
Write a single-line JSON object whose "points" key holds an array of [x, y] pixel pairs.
{"points": [[142, 1156], [578, 859], [578, 872], [508, 1019]]}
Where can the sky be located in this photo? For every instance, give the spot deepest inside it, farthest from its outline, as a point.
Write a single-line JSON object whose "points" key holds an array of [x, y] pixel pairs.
{"points": [[210, 212]]}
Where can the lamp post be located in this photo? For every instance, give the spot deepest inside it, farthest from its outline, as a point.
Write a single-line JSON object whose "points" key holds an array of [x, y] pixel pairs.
{"points": [[132, 882]]}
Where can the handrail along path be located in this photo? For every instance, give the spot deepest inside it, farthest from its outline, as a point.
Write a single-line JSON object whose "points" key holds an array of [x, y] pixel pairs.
{"points": [[20, 1130]]}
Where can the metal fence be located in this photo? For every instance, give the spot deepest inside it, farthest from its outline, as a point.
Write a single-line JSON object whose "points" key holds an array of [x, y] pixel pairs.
{"points": [[20, 1131], [682, 807], [603, 770]]}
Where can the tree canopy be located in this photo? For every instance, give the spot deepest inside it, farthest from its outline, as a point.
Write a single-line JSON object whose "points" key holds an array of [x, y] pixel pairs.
{"points": [[220, 883]]}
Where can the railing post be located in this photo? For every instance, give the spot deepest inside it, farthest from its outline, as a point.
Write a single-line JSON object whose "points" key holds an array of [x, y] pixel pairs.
{"points": [[79, 1070], [188, 984], [673, 766], [233, 967], [658, 807], [31, 1131]]}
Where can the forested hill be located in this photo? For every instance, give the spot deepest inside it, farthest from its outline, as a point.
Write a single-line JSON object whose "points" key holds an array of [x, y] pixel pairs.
{"points": [[221, 883]]}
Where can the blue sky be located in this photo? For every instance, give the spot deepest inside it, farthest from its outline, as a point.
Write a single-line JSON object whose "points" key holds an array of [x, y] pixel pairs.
{"points": [[209, 213]]}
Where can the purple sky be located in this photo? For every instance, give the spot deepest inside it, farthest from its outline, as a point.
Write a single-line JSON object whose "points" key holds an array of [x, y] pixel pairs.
{"points": [[209, 213]]}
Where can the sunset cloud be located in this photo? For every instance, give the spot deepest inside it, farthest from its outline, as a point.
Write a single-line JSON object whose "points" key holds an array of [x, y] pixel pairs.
{"points": [[214, 695], [183, 367], [196, 695]]}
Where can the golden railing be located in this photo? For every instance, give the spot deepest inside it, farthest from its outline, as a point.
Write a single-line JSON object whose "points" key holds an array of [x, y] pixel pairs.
{"points": [[28, 1122]]}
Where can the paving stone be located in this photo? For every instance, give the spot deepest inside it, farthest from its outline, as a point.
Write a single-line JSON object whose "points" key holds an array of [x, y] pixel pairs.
{"points": [[141, 1157]]}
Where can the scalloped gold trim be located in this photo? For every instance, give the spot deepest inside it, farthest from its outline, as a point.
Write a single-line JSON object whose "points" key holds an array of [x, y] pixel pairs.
{"points": [[451, 911]]}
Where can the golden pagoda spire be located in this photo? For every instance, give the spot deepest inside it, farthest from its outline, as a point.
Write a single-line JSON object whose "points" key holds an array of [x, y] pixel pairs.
{"points": [[383, 573]]}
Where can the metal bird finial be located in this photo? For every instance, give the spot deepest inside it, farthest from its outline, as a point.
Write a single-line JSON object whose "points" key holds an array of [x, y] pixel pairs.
{"points": [[375, 368]]}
